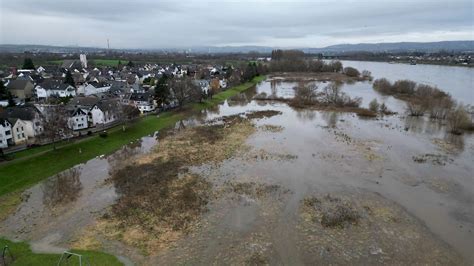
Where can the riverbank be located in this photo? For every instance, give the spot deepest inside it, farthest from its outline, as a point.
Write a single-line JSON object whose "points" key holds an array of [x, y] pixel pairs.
{"points": [[21, 174], [408, 62]]}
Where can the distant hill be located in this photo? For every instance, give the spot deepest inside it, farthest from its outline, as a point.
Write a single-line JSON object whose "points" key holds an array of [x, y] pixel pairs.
{"points": [[399, 47], [457, 46]]}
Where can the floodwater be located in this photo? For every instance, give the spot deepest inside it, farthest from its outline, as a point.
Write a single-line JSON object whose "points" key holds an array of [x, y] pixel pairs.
{"points": [[458, 81], [53, 211], [410, 164]]}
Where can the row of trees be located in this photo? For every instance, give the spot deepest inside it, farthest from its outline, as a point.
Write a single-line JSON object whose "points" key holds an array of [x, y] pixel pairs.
{"points": [[302, 65], [425, 99], [330, 95], [287, 54]]}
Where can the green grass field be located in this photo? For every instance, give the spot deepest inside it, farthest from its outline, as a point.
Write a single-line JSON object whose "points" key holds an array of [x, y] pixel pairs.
{"points": [[38, 163], [22, 255]]}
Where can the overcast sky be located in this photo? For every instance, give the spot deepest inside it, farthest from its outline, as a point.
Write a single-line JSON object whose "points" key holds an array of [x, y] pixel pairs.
{"points": [[163, 24]]}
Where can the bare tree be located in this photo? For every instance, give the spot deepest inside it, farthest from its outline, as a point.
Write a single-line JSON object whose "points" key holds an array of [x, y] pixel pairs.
{"points": [[184, 90], [126, 113], [305, 95], [55, 124]]}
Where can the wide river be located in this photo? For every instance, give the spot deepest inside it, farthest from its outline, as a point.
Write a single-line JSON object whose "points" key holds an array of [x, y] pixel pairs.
{"points": [[458, 81]]}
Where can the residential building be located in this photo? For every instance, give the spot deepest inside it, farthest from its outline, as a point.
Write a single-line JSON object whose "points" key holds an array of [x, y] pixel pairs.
{"points": [[6, 137], [21, 88]]}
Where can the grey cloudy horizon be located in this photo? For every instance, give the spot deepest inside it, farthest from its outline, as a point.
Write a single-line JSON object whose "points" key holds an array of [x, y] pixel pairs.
{"points": [[284, 23]]}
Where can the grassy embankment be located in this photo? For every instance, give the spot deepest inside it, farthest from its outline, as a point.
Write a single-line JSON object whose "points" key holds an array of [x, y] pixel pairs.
{"points": [[23, 255]]}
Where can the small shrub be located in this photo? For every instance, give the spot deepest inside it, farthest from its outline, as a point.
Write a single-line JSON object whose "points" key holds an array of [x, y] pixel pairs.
{"points": [[404, 86], [103, 134], [415, 108], [339, 216], [459, 119], [366, 75], [351, 72], [383, 86], [374, 106]]}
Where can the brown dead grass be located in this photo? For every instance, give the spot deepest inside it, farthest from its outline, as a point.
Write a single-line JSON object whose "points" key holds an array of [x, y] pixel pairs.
{"points": [[367, 229], [160, 201]]}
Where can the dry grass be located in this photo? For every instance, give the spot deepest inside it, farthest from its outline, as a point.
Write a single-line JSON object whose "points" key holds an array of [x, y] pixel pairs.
{"points": [[366, 229], [160, 201]]}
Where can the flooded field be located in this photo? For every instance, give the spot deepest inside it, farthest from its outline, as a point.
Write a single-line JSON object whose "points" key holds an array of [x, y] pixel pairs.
{"points": [[259, 182]]}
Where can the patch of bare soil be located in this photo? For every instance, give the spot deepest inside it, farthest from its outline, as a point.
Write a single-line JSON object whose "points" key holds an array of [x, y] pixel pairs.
{"points": [[241, 117], [252, 189], [366, 229], [368, 148], [263, 155], [446, 146], [271, 128], [435, 159], [262, 114]]}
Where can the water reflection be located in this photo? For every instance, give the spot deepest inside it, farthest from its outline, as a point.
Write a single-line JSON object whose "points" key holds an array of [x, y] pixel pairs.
{"points": [[63, 188], [420, 124], [331, 118], [118, 159], [305, 114], [457, 142]]}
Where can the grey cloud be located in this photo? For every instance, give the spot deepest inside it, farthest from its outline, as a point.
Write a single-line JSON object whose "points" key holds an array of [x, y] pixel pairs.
{"points": [[151, 24]]}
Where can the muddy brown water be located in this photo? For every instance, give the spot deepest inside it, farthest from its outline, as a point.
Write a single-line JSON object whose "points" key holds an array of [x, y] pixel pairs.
{"points": [[330, 152]]}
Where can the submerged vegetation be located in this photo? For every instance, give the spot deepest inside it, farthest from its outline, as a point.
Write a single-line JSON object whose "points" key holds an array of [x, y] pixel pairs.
{"points": [[424, 99], [160, 199], [330, 97]]}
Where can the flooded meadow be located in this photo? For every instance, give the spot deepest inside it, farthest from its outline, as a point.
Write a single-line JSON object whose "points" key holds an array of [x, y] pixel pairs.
{"points": [[260, 182]]}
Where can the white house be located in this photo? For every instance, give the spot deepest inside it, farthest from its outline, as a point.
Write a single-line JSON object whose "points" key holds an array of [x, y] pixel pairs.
{"points": [[143, 101], [104, 112], [90, 89], [6, 137], [31, 119], [19, 131], [48, 89], [78, 119]]}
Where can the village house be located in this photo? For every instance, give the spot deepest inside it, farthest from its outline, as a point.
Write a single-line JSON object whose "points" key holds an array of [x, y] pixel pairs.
{"points": [[19, 131], [78, 119], [54, 88], [143, 101], [21, 88], [30, 119], [99, 111], [95, 88], [203, 84], [6, 137]]}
